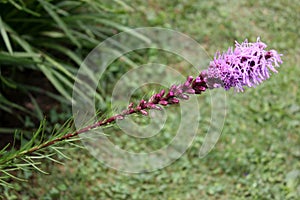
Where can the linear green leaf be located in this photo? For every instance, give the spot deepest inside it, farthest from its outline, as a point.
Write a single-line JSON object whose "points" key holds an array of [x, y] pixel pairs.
{"points": [[5, 37], [49, 8]]}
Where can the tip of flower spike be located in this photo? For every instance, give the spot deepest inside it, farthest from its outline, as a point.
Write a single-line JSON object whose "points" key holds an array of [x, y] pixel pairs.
{"points": [[248, 64]]}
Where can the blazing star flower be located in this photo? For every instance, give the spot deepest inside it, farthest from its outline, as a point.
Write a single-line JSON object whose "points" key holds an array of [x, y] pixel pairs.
{"points": [[249, 64]]}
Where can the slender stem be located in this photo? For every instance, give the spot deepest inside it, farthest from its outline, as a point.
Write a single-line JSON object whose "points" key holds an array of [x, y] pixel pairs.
{"points": [[73, 134], [176, 92]]}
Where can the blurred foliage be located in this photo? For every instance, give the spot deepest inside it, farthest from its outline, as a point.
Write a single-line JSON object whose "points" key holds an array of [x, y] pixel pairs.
{"points": [[43, 43], [257, 156]]}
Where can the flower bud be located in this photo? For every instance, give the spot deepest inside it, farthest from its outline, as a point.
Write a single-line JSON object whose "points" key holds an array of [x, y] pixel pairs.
{"points": [[190, 91], [144, 112], [163, 102], [174, 101]]}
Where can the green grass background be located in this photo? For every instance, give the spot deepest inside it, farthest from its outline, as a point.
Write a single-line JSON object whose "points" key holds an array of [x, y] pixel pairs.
{"points": [[258, 153]]}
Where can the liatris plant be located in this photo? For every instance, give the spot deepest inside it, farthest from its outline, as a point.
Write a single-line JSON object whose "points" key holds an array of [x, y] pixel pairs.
{"points": [[248, 64]]}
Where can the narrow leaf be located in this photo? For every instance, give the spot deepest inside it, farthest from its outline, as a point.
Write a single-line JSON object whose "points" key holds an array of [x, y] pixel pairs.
{"points": [[5, 37]]}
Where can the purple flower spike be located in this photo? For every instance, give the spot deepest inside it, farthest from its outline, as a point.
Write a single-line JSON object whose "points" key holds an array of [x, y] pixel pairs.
{"points": [[249, 64]]}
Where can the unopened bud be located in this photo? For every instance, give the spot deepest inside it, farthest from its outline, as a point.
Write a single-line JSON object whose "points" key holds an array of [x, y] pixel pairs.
{"points": [[162, 92], [175, 101], [119, 117], [197, 80], [144, 112], [163, 102], [184, 96], [130, 105], [190, 91], [156, 107], [171, 94]]}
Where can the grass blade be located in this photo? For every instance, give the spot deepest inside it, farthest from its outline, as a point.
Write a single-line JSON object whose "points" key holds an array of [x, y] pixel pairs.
{"points": [[37, 109], [49, 8], [5, 37], [49, 74]]}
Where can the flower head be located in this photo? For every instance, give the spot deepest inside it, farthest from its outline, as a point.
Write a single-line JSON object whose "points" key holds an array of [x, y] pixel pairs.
{"points": [[249, 64]]}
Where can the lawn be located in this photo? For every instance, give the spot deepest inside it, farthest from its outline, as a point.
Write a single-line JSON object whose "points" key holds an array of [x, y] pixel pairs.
{"points": [[258, 153]]}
